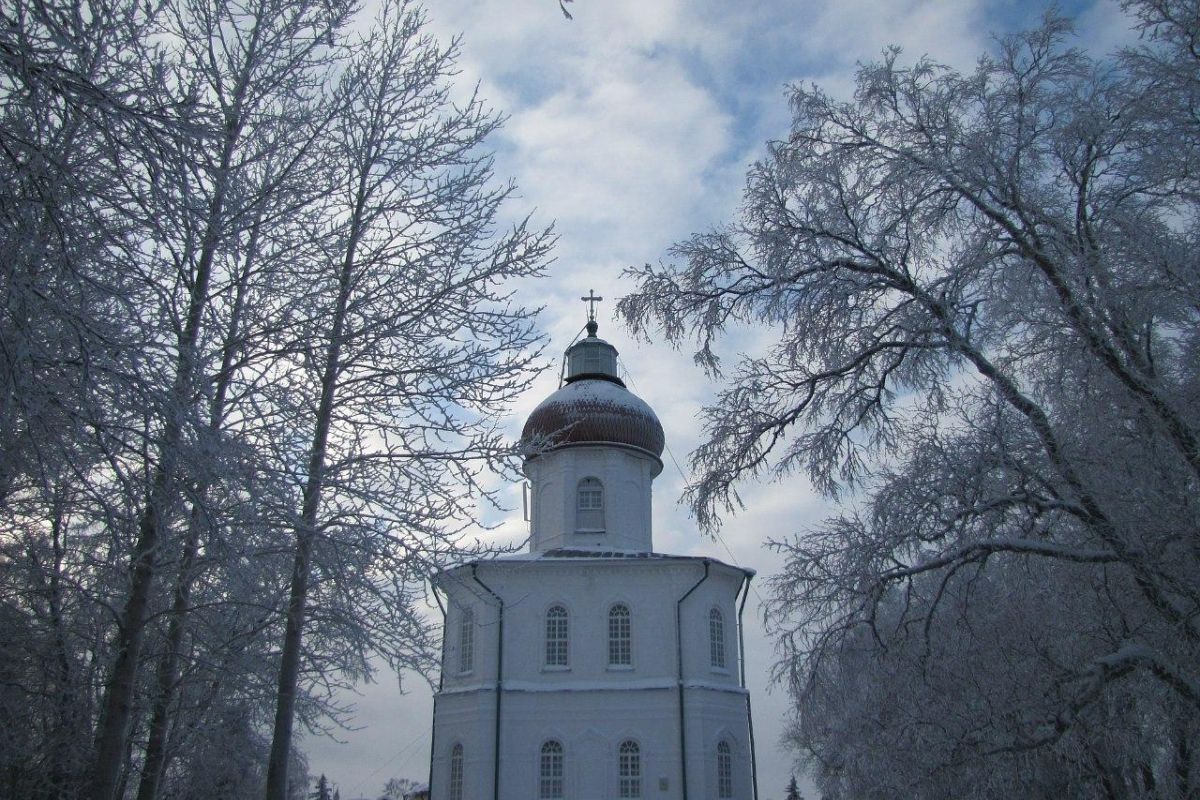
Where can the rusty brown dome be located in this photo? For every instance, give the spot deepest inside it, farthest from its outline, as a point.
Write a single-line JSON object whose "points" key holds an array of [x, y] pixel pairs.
{"points": [[593, 411]]}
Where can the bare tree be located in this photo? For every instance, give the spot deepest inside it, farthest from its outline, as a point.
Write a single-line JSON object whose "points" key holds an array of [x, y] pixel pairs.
{"points": [[987, 318], [414, 344], [257, 325], [72, 118], [247, 69]]}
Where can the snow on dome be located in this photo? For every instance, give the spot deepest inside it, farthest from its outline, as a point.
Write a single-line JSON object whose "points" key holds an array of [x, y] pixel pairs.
{"points": [[593, 411]]}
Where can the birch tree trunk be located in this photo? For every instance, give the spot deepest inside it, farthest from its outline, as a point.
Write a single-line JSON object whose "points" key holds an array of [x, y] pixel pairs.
{"points": [[167, 675], [306, 529], [113, 728]]}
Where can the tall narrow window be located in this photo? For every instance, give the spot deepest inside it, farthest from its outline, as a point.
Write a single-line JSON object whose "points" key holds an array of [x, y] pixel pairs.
{"points": [[466, 640], [550, 771], [724, 770], [620, 647], [456, 773], [716, 639], [557, 636], [589, 509], [629, 768]]}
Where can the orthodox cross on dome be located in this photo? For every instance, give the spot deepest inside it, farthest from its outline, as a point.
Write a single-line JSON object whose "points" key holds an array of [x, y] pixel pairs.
{"points": [[591, 299]]}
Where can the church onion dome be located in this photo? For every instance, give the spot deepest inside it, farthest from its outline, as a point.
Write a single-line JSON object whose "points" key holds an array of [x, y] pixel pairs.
{"points": [[593, 407]]}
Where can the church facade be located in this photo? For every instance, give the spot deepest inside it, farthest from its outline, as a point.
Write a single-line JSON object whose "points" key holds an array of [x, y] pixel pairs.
{"points": [[592, 667]]}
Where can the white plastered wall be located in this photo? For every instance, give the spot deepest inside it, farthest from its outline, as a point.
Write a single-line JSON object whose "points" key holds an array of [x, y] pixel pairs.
{"points": [[589, 707], [626, 474]]}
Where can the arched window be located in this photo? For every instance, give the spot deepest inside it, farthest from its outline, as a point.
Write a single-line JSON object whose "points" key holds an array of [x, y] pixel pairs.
{"points": [[466, 640], [716, 639], [456, 773], [629, 769], [620, 646], [589, 508], [724, 770], [550, 771], [557, 636]]}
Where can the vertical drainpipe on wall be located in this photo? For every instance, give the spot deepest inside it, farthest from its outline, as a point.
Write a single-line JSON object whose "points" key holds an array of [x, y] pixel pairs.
{"points": [[499, 678], [679, 661], [745, 592], [441, 681]]}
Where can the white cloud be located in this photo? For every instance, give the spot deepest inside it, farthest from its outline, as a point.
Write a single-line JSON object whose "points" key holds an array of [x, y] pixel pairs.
{"points": [[612, 156]]}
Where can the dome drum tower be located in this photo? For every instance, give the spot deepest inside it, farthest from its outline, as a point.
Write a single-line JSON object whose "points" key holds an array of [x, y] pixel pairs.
{"points": [[592, 449], [592, 667]]}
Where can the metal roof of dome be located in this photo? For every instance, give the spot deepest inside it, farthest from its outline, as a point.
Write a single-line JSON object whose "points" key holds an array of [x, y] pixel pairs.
{"points": [[593, 411], [594, 407]]}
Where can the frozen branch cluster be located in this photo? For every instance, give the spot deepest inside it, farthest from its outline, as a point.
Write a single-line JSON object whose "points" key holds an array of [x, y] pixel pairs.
{"points": [[986, 303], [258, 325]]}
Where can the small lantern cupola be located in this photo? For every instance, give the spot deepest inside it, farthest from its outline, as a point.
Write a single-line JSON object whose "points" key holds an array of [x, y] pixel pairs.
{"points": [[592, 357]]}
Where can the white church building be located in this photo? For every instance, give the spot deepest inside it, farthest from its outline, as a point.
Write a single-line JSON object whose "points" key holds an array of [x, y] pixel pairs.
{"points": [[592, 667]]}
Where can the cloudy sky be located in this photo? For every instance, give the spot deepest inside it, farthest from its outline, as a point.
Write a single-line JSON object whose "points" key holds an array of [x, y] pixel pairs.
{"points": [[631, 127]]}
